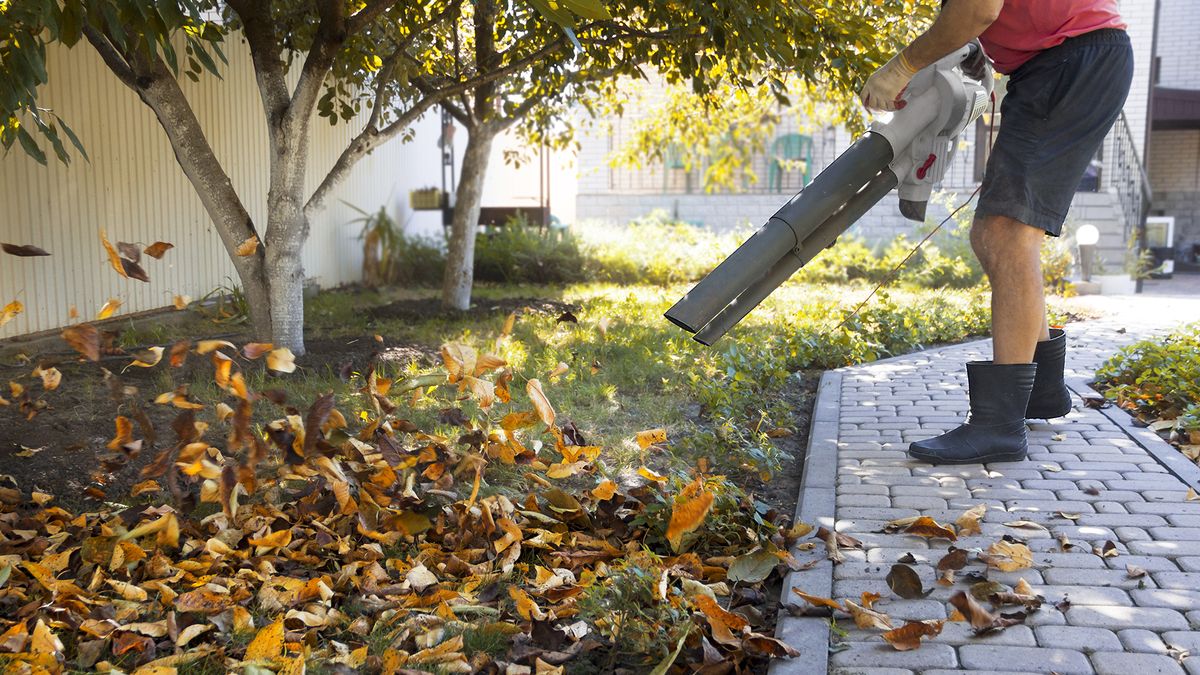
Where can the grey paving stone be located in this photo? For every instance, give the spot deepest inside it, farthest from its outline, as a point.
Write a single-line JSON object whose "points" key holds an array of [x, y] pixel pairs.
{"points": [[875, 513], [1150, 618], [960, 633], [1131, 534], [1173, 598], [1141, 641], [1172, 549], [1078, 638], [1109, 507], [914, 502], [860, 671], [1036, 659], [939, 671], [871, 654], [863, 500], [1121, 663], [1189, 640], [1084, 595], [1188, 563], [1121, 520], [1176, 533], [1100, 578]]}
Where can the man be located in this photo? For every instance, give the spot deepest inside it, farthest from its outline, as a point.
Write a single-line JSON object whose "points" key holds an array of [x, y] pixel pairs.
{"points": [[1070, 66]]}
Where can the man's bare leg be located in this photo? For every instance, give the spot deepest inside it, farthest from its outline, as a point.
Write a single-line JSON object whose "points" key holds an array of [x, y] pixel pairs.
{"points": [[1010, 252]]}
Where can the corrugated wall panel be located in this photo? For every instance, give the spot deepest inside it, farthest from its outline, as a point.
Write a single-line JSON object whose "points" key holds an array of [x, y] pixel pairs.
{"points": [[134, 189]]}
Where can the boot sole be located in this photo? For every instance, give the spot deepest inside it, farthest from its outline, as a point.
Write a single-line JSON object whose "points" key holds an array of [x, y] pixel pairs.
{"points": [[986, 459], [1046, 415]]}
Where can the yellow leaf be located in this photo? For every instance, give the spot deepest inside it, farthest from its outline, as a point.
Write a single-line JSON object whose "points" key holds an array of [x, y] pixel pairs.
{"points": [[148, 358], [605, 490], [816, 600], [508, 324], [1191, 495], [10, 311], [181, 301], [255, 350], [44, 641], [127, 590], [144, 487], [526, 607], [651, 437], [267, 644], [868, 618], [541, 404], [727, 627], [114, 258], [460, 361], [277, 539], [248, 247], [281, 360], [909, 635], [650, 474], [687, 516], [51, 377], [205, 346], [108, 309]]}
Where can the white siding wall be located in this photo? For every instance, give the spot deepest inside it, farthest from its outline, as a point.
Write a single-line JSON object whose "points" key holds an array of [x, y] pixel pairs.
{"points": [[1139, 15], [134, 189]]}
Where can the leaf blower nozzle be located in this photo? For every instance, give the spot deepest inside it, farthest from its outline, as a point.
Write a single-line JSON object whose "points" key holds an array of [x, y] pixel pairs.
{"points": [[911, 151]]}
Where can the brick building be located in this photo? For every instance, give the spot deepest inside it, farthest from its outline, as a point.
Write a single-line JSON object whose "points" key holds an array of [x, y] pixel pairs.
{"points": [[1111, 199]]}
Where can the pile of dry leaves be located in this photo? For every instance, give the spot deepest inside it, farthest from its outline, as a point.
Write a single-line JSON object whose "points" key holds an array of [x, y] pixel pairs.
{"points": [[358, 541]]}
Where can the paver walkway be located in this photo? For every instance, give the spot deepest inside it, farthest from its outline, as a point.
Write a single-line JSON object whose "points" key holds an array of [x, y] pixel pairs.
{"points": [[1091, 463]]}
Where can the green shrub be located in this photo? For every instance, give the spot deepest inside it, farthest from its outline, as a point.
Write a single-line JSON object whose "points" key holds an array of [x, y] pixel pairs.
{"points": [[520, 253], [654, 250], [1156, 379]]}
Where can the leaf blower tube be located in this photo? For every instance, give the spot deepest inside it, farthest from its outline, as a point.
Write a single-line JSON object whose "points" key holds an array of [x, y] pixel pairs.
{"points": [[911, 152], [758, 266]]}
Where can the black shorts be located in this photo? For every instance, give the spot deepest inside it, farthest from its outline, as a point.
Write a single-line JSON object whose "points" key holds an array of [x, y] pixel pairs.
{"points": [[1059, 107]]}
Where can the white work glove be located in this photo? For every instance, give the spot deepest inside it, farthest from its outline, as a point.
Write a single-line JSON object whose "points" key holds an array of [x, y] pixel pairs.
{"points": [[885, 86]]}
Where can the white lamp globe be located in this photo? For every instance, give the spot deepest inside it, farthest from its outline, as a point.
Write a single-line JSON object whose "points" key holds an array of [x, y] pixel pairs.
{"points": [[1087, 235]]}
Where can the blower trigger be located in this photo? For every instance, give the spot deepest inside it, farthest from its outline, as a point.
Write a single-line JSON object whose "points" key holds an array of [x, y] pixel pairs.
{"points": [[924, 168]]}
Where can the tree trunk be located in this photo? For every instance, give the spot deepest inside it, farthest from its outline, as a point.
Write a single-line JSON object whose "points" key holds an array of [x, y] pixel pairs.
{"points": [[460, 259]]}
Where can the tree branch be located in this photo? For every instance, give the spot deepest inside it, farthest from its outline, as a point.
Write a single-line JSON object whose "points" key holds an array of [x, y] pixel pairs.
{"points": [[112, 58], [269, 68], [367, 14], [331, 34]]}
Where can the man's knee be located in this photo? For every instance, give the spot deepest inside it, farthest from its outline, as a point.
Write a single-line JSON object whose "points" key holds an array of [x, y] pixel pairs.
{"points": [[999, 240]]}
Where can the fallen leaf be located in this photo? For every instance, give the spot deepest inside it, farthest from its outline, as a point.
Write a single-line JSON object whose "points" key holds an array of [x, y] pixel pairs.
{"points": [[605, 490], [651, 437], [726, 626], [1008, 556], [255, 350], [26, 251], [968, 522], [753, 568], [930, 529], [281, 360], [267, 643], [1107, 550], [908, 636], [51, 377], [816, 600], [867, 618], [1022, 587], [1191, 495], [979, 617], [158, 249], [147, 358], [954, 560], [10, 311], [85, 339], [687, 516], [904, 582], [541, 404], [248, 247], [108, 309]]}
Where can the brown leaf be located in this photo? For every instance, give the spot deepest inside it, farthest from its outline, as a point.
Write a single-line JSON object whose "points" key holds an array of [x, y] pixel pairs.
{"points": [[955, 560], [255, 350], [1030, 602], [85, 339], [968, 522], [1107, 550], [908, 636], [979, 617], [726, 626], [904, 582], [129, 251], [26, 251], [1134, 572], [158, 249], [816, 600], [1008, 556], [930, 529]]}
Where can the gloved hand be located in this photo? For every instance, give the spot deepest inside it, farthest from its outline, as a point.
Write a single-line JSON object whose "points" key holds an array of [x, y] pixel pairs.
{"points": [[975, 66], [884, 87]]}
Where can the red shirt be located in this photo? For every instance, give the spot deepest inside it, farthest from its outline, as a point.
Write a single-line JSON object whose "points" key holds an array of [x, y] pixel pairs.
{"points": [[1026, 27]]}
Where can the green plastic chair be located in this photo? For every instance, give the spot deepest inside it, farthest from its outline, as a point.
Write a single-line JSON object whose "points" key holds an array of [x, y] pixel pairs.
{"points": [[787, 149]]}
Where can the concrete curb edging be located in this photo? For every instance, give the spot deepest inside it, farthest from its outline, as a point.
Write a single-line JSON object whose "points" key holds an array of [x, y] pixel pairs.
{"points": [[1171, 459], [818, 494]]}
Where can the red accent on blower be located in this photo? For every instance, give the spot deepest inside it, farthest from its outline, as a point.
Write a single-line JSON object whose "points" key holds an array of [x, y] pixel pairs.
{"points": [[924, 168]]}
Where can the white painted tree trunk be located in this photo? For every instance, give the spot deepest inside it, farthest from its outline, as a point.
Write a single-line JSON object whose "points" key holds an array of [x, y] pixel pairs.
{"points": [[460, 260]]}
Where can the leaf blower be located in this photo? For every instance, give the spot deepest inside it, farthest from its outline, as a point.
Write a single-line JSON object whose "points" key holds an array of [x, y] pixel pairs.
{"points": [[911, 152]]}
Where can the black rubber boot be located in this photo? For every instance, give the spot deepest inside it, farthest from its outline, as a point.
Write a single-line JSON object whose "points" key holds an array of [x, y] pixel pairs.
{"points": [[1050, 397], [995, 429]]}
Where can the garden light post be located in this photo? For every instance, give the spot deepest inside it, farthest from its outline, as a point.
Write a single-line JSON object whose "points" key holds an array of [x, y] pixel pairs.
{"points": [[1086, 237]]}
